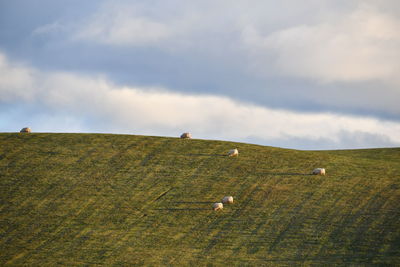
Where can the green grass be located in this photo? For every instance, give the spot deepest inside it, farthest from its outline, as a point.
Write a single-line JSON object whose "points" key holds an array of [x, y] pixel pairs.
{"points": [[93, 199]]}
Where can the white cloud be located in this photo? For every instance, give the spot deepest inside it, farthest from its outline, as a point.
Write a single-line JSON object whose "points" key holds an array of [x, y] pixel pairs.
{"points": [[358, 46], [15, 81], [110, 108]]}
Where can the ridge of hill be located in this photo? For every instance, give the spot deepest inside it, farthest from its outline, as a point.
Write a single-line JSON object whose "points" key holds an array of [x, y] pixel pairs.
{"points": [[102, 199]]}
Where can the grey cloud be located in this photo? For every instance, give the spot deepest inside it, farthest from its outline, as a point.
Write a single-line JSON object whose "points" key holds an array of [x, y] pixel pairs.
{"points": [[345, 140], [204, 51], [62, 101], [358, 139]]}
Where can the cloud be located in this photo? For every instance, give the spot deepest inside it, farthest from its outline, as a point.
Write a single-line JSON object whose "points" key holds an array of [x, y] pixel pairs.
{"points": [[95, 104], [341, 57], [361, 45], [54, 27], [15, 81], [122, 29], [122, 23]]}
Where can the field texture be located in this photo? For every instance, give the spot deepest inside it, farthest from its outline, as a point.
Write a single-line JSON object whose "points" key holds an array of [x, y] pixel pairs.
{"points": [[92, 199]]}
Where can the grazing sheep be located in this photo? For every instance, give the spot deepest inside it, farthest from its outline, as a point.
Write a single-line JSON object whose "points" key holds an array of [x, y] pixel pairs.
{"points": [[227, 200], [218, 206], [186, 136], [233, 153], [25, 130], [318, 171]]}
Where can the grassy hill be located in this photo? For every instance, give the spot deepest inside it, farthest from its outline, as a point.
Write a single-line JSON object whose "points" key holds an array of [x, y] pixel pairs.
{"points": [[79, 199]]}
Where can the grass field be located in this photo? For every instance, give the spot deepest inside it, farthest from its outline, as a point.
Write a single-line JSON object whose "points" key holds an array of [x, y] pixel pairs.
{"points": [[87, 199]]}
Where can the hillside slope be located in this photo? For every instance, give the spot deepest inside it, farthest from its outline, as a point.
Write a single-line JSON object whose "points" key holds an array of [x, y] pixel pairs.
{"points": [[76, 199]]}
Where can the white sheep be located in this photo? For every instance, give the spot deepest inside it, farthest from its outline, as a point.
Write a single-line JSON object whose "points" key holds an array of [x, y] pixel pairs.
{"points": [[318, 171], [227, 200], [218, 206], [25, 130], [186, 136], [233, 153]]}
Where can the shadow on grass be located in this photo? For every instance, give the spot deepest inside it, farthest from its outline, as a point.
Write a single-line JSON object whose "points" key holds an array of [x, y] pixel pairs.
{"points": [[193, 202], [187, 202], [287, 173], [181, 209], [210, 155]]}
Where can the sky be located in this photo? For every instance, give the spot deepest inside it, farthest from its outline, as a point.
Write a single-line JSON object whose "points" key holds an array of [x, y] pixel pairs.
{"points": [[312, 74]]}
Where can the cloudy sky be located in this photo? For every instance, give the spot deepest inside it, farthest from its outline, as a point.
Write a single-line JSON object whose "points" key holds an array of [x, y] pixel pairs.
{"points": [[312, 74]]}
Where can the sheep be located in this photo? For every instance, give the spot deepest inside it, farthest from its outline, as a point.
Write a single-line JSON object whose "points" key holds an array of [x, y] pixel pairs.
{"points": [[218, 206], [233, 153], [25, 130], [227, 200], [318, 171], [186, 136]]}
